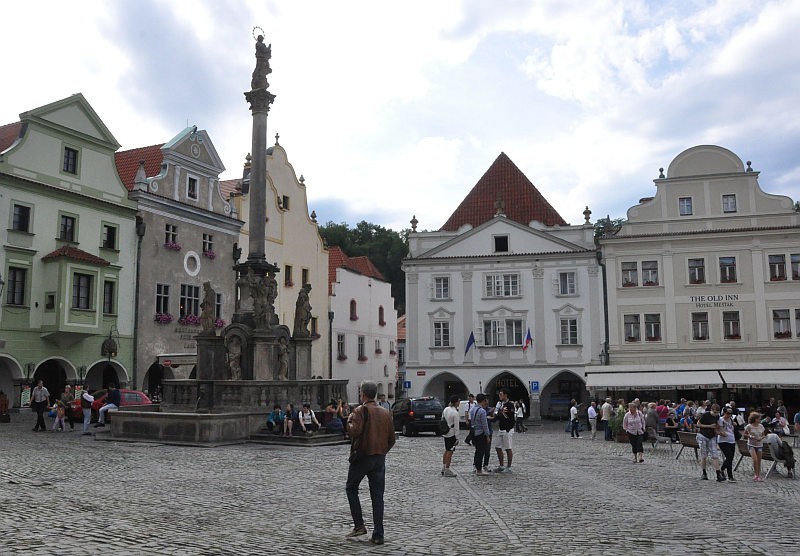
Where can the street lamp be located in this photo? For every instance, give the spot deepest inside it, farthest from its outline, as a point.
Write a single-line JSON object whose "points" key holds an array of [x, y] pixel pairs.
{"points": [[604, 359], [29, 367], [81, 374]]}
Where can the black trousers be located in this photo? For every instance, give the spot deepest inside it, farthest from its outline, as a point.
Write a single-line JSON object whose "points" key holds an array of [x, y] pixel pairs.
{"points": [[728, 449], [39, 407], [481, 444]]}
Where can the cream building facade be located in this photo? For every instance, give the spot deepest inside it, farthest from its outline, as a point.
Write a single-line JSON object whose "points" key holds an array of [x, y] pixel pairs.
{"points": [[292, 243], [703, 286]]}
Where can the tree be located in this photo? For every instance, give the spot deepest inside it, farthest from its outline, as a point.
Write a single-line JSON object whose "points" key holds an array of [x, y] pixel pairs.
{"points": [[607, 226], [384, 247]]}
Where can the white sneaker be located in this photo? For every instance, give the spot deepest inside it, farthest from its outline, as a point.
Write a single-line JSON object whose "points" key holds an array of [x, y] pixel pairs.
{"points": [[508, 469], [499, 469], [448, 473]]}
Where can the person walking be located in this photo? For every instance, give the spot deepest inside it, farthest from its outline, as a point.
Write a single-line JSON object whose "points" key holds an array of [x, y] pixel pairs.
{"points": [[372, 433], [633, 423], [606, 411], [591, 413], [86, 405], [726, 440], [573, 419], [40, 397], [450, 414], [480, 432], [708, 428]]}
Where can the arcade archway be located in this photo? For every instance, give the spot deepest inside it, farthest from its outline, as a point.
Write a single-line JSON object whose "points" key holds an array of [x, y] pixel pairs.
{"points": [[153, 379], [444, 385], [558, 392], [54, 375], [517, 389]]}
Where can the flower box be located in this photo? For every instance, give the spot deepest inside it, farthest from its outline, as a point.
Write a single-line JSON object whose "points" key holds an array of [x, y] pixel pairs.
{"points": [[219, 323], [392, 352], [631, 339], [362, 358], [777, 278], [700, 339], [341, 358], [382, 323], [288, 283], [189, 320], [172, 246], [163, 318], [629, 284], [654, 338], [650, 283], [210, 254], [378, 351], [733, 337], [697, 281], [727, 281], [353, 317], [783, 335]]}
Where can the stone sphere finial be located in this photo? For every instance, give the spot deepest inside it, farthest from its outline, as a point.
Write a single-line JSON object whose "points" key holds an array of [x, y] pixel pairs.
{"points": [[661, 173], [749, 167]]}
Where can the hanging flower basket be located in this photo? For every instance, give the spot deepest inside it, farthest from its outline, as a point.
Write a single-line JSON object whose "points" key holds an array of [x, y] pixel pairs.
{"points": [[172, 246]]}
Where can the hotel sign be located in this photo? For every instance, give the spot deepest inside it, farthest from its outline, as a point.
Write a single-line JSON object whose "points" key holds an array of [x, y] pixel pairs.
{"points": [[714, 300]]}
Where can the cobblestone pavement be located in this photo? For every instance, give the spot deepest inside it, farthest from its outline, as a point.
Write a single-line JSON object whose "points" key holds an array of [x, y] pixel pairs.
{"points": [[69, 494]]}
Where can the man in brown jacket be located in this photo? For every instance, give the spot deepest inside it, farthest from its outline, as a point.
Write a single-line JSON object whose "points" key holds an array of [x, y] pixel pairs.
{"points": [[371, 431]]}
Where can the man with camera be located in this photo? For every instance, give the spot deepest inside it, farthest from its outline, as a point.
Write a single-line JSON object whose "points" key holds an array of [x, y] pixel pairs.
{"points": [[504, 415]]}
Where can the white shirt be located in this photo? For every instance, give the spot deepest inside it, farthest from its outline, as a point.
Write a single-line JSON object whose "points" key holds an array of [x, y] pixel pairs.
{"points": [[450, 414], [573, 412], [592, 412]]}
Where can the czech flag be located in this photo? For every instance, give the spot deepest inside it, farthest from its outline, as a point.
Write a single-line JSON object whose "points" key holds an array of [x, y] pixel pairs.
{"points": [[470, 342], [528, 341]]}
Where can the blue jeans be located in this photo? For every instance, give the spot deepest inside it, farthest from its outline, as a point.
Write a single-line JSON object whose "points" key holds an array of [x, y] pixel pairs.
{"points": [[87, 418], [374, 468], [574, 429]]}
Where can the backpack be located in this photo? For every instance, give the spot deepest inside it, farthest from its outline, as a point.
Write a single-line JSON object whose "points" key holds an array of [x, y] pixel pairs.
{"points": [[444, 426]]}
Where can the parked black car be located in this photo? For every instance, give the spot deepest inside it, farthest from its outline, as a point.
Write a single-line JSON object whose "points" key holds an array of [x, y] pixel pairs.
{"points": [[415, 415]]}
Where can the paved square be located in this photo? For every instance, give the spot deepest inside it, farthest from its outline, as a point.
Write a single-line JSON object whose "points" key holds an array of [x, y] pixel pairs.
{"points": [[65, 493]]}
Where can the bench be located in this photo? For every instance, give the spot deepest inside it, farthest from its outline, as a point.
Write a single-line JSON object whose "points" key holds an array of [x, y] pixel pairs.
{"points": [[767, 454], [688, 440]]}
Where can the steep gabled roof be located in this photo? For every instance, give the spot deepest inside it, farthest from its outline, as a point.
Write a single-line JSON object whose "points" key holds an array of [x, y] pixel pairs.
{"points": [[362, 265], [8, 134], [75, 254], [227, 187], [521, 200], [128, 163]]}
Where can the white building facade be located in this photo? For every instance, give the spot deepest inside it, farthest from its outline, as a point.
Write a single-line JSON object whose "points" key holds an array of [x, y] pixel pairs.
{"points": [[495, 278], [703, 286]]}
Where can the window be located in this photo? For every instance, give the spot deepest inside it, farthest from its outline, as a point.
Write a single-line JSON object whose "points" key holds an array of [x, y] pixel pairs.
{"points": [[21, 221], [441, 333], [500, 244], [190, 300], [797, 321], [381, 320], [170, 233], [777, 268], [729, 203], [287, 276], [632, 330], [649, 273], [67, 229], [391, 347], [50, 301], [353, 310], [108, 298], [362, 356], [401, 355], [727, 269], [284, 202], [685, 206], [730, 325], [208, 243], [162, 298], [569, 331], [697, 271], [502, 285], [378, 346], [109, 236], [191, 188], [304, 276], [566, 283], [630, 276], [441, 287], [314, 332], [15, 294], [795, 258], [218, 306], [340, 352], [700, 326], [70, 161], [513, 332], [781, 326], [652, 327], [81, 291]]}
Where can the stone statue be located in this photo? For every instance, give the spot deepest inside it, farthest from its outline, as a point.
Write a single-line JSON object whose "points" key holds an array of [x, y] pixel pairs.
{"points": [[272, 295], [237, 252], [207, 309], [283, 359], [258, 291], [235, 358], [302, 313], [263, 54]]}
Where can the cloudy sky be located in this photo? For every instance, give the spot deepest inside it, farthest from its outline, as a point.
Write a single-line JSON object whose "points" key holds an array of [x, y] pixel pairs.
{"points": [[391, 109]]}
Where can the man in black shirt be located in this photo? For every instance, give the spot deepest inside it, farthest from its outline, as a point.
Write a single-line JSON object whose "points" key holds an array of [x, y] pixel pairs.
{"points": [[707, 426]]}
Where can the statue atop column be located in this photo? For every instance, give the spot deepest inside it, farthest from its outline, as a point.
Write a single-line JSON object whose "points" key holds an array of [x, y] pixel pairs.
{"points": [[263, 54], [302, 313]]}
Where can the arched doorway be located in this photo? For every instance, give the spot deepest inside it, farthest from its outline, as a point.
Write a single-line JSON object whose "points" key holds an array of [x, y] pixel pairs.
{"points": [[10, 377], [516, 388], [153, 379], [52, 373], [557, 394], [105, 372], [444, 385]]}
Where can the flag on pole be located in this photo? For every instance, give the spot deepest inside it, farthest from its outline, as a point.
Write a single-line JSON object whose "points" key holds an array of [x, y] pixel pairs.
{"points": [[528, 341], [470, 342]]}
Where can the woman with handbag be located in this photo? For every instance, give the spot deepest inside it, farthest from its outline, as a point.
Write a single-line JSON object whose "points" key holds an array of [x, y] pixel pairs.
{"points": [[633, 423]]}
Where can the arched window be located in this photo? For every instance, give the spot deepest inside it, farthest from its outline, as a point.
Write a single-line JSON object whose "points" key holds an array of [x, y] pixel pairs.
{"points": [[353, 310], [381, 320]]}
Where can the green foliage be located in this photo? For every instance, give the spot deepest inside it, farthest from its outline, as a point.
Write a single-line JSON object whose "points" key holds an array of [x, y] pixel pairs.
{"points": [[385, 248], [607, 226]]}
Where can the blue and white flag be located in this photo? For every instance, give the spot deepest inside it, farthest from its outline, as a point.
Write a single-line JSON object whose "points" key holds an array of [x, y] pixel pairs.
{"points": [[470, 342]]}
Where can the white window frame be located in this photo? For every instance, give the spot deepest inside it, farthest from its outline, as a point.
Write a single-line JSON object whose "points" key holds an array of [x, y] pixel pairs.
{"points": [[632, 328], [501, 285], [652, 327], [630, 275], [189, 178], [441, 334], [731, 328], [727, 270], [729, 203], [569, 325], [567, 283], [650, 274], [696, 279], [685, 206], [700, 330], [441, 287]]}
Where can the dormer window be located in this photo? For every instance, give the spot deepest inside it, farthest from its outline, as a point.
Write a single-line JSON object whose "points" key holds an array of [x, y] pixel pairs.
{"points": [[191, 188], [70, 164], [500, 244]]}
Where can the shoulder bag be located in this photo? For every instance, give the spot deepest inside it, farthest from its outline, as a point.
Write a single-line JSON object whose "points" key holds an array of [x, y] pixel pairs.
{"points": [[357, 455]]}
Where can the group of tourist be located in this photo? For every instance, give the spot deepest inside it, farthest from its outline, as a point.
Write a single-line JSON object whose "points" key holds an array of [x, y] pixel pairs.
{"points": [[60, 410], [718, 428]]}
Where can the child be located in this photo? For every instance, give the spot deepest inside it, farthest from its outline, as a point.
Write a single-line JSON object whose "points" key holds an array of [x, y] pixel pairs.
{"points": [[754, 433], [59, 418]]}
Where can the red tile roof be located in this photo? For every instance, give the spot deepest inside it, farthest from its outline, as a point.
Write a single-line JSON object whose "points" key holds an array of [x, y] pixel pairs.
{"points": [[362, 265], [75, 254], [128, 163], [227, 187], [8, 134], [503, 180], [401, 328]]}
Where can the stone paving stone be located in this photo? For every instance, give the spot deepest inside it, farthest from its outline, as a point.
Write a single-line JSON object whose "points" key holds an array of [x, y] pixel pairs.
{"points": [[563, 497]]}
